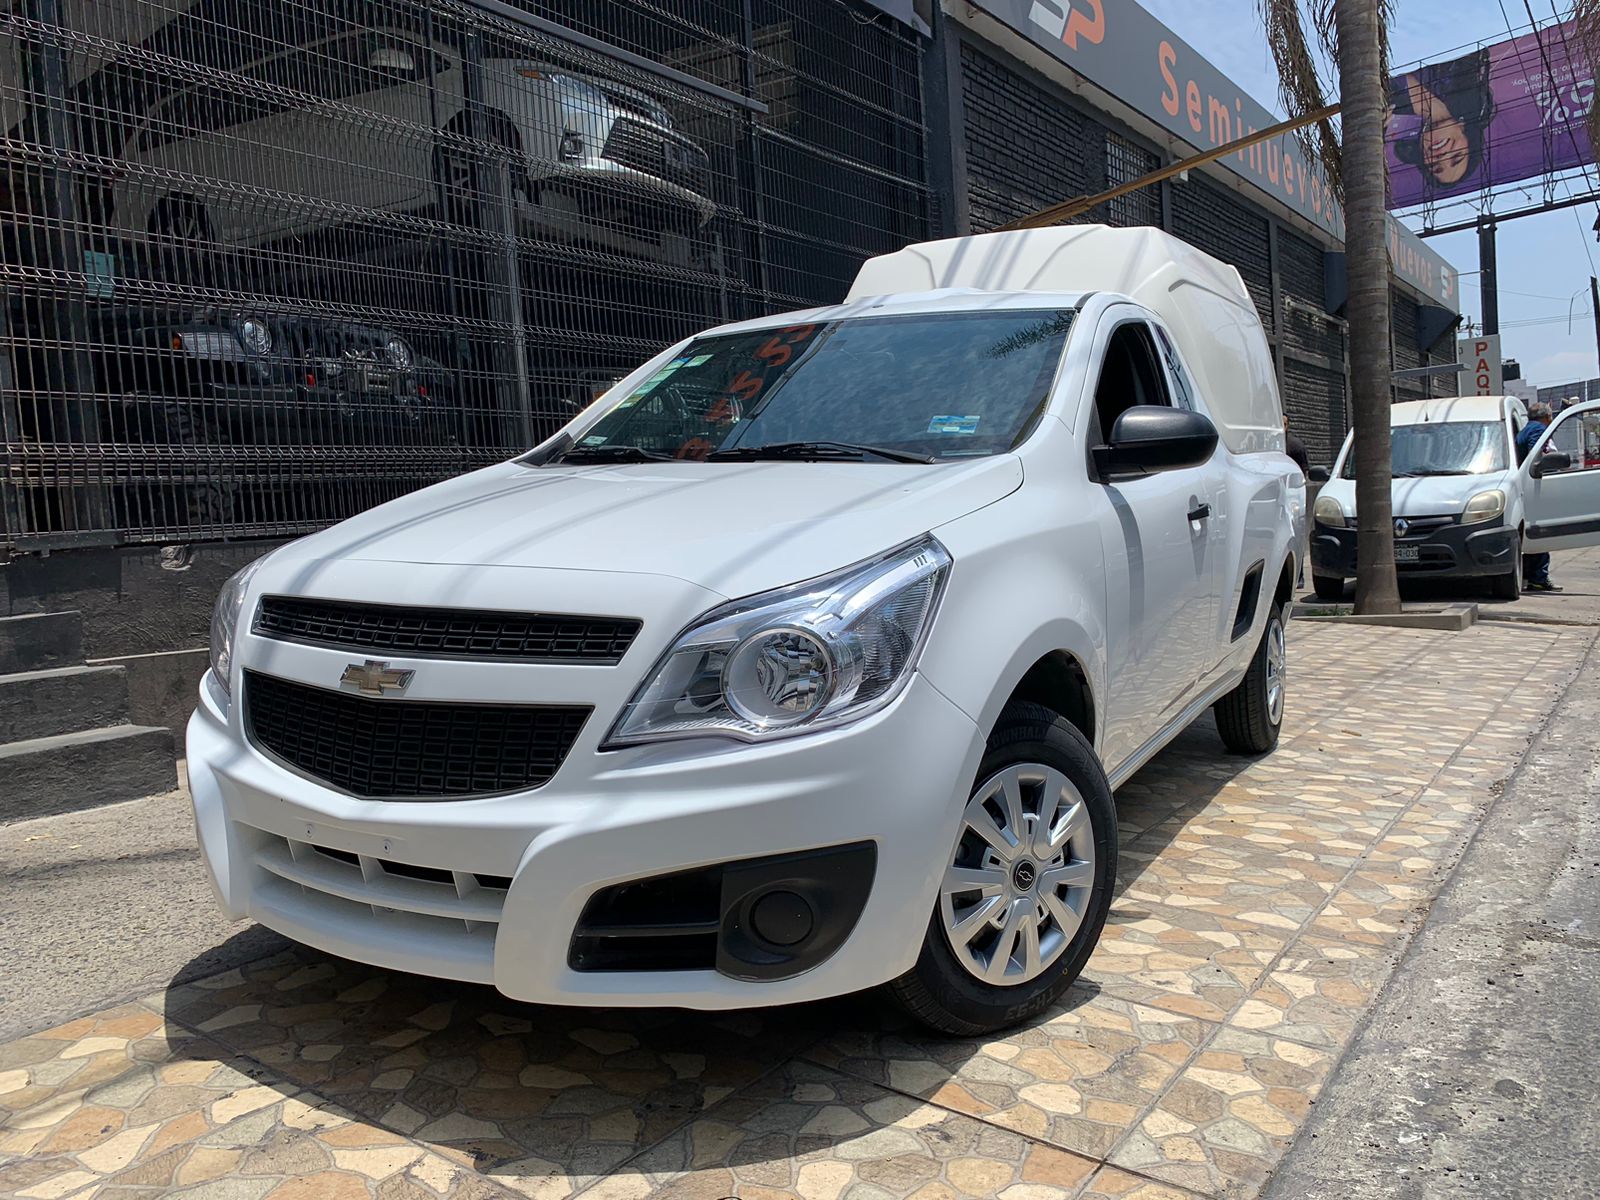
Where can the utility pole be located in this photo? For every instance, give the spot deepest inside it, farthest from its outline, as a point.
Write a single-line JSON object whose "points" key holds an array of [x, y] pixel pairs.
{"points": [[1488, 284], [1594, 304]]}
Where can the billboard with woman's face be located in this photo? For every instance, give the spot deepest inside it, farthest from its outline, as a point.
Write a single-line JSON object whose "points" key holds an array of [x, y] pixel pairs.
{"points": [[1513, 110]]}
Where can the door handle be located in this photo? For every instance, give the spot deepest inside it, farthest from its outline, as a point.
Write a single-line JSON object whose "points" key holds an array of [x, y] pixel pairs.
{"points": [[1200, 513]]}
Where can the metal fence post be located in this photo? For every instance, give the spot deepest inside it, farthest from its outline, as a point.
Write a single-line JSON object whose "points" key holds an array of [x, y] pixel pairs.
{"points": [[503, 275], [70, 420], [757, 200]]}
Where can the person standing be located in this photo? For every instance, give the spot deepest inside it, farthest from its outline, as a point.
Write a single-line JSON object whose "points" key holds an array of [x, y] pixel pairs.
{"points": [[1535, 567]]}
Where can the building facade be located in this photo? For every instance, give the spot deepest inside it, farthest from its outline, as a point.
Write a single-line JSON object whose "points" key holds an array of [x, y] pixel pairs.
{"points": [[266, 263]]}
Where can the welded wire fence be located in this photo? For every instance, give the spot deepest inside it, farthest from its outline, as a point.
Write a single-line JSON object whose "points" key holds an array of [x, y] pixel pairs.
{"points": [[266, 263]]}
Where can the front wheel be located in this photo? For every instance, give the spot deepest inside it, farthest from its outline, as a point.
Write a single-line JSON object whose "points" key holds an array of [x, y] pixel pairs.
{"points": [[1509, 585], [1027, 886], [1250, 716]]}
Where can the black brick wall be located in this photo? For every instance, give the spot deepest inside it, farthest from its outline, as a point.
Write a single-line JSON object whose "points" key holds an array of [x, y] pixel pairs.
{"points": [[1026, 147], [1314, 399], [1444, 351], [1403, 318]]}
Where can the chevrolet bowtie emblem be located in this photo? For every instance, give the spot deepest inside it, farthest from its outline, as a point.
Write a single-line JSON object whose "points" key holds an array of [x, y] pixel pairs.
{"points": [[374, 678]]}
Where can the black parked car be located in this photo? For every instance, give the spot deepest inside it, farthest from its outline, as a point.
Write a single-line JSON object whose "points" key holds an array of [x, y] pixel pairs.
{"points": [[243, 419], [213, 377]]}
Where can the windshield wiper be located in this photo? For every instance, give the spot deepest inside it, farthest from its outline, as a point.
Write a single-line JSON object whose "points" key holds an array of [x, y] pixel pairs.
{"points": [[1428, 471], [817, 450], [614, 454]]}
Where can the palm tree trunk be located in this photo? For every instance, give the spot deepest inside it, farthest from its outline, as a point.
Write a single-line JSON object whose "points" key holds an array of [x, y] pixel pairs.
{"points": [[1366, 244]]}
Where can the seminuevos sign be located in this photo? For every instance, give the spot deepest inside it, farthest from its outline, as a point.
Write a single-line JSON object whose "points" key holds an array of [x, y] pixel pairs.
{"points": [[1118, 46]]}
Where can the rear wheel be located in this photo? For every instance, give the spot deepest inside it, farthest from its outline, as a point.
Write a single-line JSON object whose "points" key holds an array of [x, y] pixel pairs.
{"points": [[183, 221], [1250, 716], [1327, 587], [1028, 883]]}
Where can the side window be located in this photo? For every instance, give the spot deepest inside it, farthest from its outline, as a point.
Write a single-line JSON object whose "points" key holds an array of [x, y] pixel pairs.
{"points": [[1182, 389], [1579, 437], [1130, 375]]}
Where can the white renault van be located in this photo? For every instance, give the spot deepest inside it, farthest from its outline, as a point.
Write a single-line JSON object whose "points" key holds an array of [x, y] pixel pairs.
{"points": [[1463, 505]]}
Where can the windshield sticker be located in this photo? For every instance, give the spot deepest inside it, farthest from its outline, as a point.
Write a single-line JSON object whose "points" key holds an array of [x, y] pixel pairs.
{"points": [[951, 424], [699, 360], [595, 439]]}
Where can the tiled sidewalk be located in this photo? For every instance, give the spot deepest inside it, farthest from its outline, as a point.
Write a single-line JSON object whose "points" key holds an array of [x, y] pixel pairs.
{"points": [[1263, 904]]}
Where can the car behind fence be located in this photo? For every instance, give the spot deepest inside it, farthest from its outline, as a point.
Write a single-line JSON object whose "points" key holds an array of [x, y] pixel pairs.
{"points": [[265, 264]]}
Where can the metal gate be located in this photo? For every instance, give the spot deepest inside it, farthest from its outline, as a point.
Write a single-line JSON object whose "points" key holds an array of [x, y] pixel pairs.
{"points": [[266, 263]]}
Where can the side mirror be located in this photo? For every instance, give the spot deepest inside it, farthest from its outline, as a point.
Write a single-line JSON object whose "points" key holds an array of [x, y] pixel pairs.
{"points": [[1152, 437], [1549, 463], [391, 59], [1318, 475]]}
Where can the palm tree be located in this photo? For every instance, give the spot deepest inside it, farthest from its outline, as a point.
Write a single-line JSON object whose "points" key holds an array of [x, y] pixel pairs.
{"points": [[1354, 35]]}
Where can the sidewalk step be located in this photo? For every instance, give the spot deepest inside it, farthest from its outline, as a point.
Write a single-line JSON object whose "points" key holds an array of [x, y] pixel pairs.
{"points": [[72, 771], [38, 704], [40, 640]]}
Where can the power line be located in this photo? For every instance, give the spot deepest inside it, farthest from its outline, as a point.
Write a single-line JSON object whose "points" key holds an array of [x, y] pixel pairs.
{"points": [[1561, 32], [1550, 75]]}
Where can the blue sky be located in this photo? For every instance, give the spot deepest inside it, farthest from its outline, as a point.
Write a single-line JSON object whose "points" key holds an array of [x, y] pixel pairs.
{"points": [[1543, 260]]}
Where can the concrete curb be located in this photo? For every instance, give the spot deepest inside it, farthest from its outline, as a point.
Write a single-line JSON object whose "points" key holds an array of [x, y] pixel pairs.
{"points": [[1452, 617]]}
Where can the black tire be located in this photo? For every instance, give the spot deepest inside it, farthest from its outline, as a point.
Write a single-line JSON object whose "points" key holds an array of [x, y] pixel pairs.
{"points": [[184, 220], [454, 166], [1245, 716], [1509, 585], [939, 991], [1327, 587]]}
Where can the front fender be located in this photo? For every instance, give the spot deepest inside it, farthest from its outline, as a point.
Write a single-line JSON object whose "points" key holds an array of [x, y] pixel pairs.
{"points": [[1015, 595]]}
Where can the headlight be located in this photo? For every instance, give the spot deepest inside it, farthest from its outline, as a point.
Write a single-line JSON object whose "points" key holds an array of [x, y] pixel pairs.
{"points": [[1485, 506], [802, 658], [225, 624], [398, 352], [255, 336], [1329, 511]]}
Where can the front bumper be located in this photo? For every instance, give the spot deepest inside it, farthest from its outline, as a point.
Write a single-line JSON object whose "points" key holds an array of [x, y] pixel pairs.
{"points": [[897, 780], [1445, 551]]}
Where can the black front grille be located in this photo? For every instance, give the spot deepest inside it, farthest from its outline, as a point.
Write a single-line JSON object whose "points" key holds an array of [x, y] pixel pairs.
{"points": [[655, 152], [446, 632], [408, 749]]}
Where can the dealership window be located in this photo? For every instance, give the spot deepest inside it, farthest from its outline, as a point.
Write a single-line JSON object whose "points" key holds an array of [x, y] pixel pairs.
{"points": [[1126, 162]]}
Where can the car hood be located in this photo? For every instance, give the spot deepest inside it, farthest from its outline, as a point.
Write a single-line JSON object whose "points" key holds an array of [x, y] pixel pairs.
{"points": [[1426, 495], [1441, 495], [732, 528]]}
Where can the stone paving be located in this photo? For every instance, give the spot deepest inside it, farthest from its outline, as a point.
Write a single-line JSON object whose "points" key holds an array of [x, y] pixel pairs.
{"points": [[1262, 905]]}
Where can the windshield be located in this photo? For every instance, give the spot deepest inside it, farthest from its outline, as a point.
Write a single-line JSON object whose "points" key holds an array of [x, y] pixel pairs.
{"points": [[931, 386], [1442, 448]]}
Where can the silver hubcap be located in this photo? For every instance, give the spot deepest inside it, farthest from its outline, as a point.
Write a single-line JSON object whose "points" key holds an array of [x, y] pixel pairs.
{"points": [[1019, 881], [1277, 670]]}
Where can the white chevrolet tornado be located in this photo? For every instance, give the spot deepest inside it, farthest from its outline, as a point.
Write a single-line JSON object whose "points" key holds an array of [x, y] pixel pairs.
{"points": [[804, 661]]}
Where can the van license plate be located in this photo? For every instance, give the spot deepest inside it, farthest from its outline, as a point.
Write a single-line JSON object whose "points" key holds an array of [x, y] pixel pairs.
{"points": [[1407, 553]]}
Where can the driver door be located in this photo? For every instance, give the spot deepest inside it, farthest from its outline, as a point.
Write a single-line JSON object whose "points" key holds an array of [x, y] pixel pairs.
{"points": [[1156, 534], [1561, 509]]}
